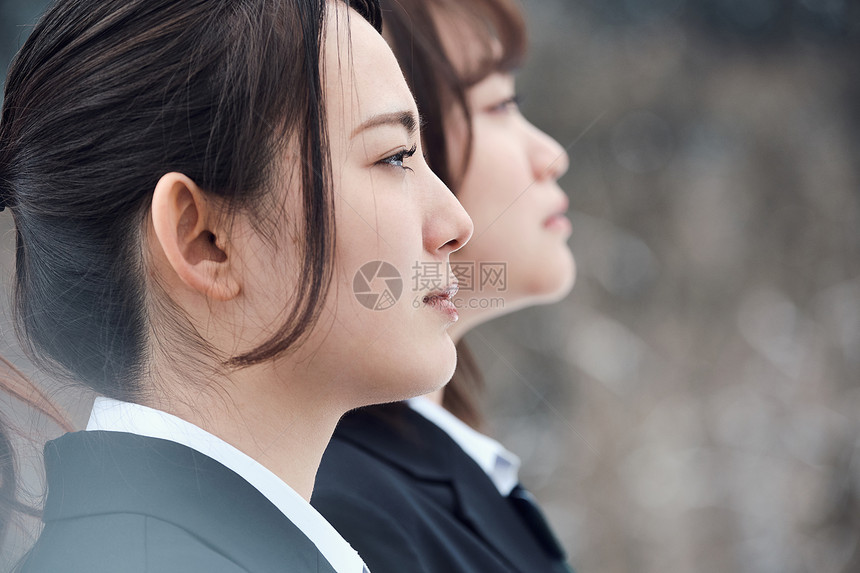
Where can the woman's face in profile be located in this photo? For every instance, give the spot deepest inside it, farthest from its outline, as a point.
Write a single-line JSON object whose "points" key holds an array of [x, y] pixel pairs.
{"points": [[391, 212], [511, 192], [509, 188]]}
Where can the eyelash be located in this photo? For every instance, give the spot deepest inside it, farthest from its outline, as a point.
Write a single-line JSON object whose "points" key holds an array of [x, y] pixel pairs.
{"points": [[400, 157], [512, 102]]}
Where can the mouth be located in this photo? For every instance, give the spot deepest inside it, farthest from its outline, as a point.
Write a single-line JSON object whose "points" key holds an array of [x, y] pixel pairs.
{"points": [[443, 301], [558, 220]]}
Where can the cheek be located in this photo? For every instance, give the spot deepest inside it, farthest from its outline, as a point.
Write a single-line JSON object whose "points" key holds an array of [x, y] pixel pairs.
{"points": [[508, 213], [388, 349], [498, 166], [495, 191], [386, 227]]}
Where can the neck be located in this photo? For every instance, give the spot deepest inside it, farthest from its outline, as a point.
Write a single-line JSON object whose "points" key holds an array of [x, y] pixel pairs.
{"points": [[276, 422], [437, 396], [473, 314]]}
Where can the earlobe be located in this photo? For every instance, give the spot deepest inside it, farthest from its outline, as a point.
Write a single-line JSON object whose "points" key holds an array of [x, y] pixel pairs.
{"points": [[185, 228]]}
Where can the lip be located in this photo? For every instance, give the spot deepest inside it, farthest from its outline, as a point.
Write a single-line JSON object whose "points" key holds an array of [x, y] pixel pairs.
{"points": [[558, 220], [443, 301]]}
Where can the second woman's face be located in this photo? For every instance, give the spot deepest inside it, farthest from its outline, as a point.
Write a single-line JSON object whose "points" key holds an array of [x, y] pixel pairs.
{"points": [[518, 253], [380, 336]]}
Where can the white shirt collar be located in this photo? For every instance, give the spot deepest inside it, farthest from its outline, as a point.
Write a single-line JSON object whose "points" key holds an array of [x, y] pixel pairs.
{"points": [[501, 465], [115, 416]]}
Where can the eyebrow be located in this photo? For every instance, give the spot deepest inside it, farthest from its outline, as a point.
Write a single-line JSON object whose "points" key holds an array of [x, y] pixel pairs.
{"points": [[406, 119]]}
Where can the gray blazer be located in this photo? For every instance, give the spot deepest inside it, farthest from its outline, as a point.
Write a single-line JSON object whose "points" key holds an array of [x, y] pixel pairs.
{"points": [[121, 503]]}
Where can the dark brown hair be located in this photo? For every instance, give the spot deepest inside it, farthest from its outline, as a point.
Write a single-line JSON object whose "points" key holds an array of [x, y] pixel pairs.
{"points": [[105, 97], [440, 89]]}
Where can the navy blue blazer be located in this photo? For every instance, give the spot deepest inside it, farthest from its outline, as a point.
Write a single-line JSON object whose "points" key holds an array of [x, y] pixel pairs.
{"points": [[121, 503], [410, 500]]}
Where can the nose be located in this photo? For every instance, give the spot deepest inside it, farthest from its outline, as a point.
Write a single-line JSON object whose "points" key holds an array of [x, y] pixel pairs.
{"points": [[447, 226], [549, 159]]}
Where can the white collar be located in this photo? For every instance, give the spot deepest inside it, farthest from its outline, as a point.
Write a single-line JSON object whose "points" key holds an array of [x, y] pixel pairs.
{"points": [[115, 416], [501, 465]]}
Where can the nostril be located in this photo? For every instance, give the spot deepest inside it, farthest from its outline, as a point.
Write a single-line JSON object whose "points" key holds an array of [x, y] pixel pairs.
{"points": [[453, 244]]}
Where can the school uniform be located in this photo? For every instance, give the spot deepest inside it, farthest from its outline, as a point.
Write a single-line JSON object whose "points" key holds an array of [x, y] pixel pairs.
{"points": [[142, 491], [415, 490]]}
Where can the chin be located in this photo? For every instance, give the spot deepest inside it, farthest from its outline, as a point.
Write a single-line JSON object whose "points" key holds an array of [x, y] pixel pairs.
{"points": [[421, 373], [548, 288], [564, 286], [435, 370]]}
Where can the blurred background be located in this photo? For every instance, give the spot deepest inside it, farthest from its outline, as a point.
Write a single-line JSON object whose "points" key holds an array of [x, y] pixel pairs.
{"points": [[694, 404]]}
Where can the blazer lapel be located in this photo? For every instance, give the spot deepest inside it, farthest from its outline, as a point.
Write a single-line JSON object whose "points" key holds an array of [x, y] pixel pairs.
{"points": [[496, 519], [405, 439]]}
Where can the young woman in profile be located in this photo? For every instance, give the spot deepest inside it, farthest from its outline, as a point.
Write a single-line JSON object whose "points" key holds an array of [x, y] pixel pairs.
{"points": [[176, 170], [415, 486]]}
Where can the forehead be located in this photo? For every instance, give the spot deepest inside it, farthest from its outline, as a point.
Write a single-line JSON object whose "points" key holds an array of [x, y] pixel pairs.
{"points": [[360, 74], [493, 86]]}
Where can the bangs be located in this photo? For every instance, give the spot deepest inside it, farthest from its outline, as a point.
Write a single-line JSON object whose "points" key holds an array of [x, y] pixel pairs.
{"points": [[492, 32]]}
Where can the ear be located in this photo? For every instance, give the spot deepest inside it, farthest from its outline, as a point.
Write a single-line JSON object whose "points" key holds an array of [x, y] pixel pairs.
{"points": [[185, 227]]}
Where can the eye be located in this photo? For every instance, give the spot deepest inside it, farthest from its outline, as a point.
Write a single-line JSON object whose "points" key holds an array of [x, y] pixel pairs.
{"points": [[508, 105], [398, 158]]}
